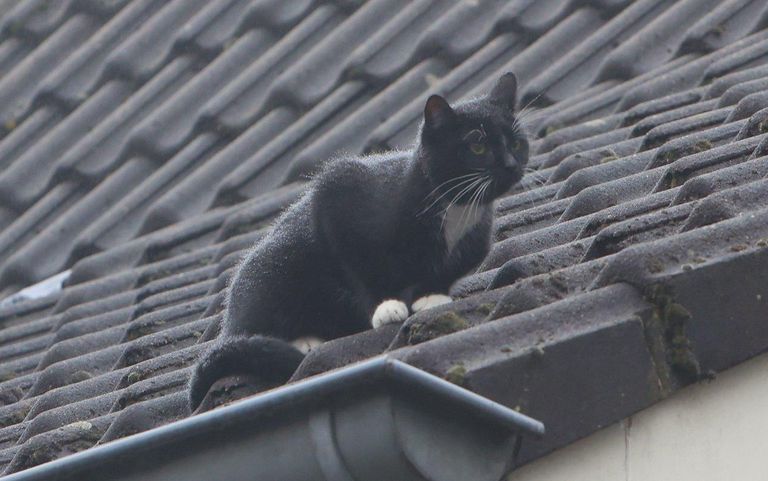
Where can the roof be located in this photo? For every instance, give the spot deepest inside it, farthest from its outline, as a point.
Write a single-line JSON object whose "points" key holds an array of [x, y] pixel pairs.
{"points": [[146, 144], [316, 424]]}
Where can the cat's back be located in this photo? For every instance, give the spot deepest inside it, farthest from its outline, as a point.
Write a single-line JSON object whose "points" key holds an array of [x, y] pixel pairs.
{"points": [[354, 182], [362, 194], [351, 189]]}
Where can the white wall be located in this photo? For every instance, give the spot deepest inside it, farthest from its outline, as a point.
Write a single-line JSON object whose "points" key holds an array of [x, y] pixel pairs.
{"points": [[716, 431]]}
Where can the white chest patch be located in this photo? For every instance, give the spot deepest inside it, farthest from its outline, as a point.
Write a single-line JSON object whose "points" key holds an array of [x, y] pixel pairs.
{"points": [[458, 221]]}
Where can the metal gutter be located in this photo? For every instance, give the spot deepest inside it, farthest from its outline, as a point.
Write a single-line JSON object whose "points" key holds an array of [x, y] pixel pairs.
{"points": [[377, 420]]}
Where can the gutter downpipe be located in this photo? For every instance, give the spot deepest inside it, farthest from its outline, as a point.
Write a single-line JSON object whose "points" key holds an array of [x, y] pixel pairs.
{"points": [[378, 420]]}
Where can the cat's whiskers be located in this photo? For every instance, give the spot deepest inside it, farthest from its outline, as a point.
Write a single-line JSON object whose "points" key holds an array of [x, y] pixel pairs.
{"points": [[467, 209], [479, 197], [520, 124], [539, 178], [524, 112], [470, 178], [474, 203], [484, 187], [460, 184], [527, 110], [463, 191], [529, 191], [456, 199], [448, 181]]}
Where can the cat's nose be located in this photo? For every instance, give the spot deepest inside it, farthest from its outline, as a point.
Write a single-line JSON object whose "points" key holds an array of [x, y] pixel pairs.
{"points": [[511, 163]]}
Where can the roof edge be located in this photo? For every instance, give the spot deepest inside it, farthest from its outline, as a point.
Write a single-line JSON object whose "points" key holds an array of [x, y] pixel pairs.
{"points": [[381, 407]]}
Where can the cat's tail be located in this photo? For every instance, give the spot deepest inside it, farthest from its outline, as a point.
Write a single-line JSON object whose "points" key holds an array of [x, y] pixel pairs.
{"points": [[271, 361]]}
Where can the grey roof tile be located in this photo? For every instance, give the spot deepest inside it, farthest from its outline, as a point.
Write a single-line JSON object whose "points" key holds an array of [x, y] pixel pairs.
{"points": [[660, 105], [194, 194], [576, 147], [10, 436], [306, 83], [23, 182], [141, 415], [240, 103], [721, 84], [573, 133], [18, 88], [645, 125], [350, 132], [734, 59], [579, 68], [730, 20], [533, 348], [145, 52], [654, 43], [81, 74], [59, 442], [154, 147]]}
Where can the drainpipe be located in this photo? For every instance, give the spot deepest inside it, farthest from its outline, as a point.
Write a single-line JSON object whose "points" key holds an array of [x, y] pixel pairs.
{"points": [[379, 420]]}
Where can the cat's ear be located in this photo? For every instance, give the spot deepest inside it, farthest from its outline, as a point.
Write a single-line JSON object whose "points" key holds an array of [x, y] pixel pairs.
{"points": [[437, 112], [504, 93]]}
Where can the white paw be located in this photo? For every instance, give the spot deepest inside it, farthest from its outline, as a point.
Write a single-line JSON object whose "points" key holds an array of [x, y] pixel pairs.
{"points": [[306, 344], [388, 312], [431, 300]]}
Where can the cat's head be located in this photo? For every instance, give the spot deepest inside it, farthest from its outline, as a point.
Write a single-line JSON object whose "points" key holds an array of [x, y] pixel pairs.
{"points": [[476, 148]]}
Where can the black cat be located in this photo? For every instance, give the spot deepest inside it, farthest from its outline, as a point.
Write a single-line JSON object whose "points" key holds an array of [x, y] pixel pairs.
{"points": [[370, 237]]}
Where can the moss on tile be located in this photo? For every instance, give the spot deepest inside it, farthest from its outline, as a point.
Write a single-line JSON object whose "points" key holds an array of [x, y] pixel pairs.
{"points": [[144, 329], [675, 180], [669, 156], [456, 374], [16, 417], [701, 146], [655, 266], [609, 155], [551, 129], [486, 308], [79, 376], [673, 154], [671, 319], [444, 323], [133, 377]]}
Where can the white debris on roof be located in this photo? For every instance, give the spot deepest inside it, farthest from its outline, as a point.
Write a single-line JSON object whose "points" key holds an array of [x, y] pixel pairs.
{"points": [[43, 288]]}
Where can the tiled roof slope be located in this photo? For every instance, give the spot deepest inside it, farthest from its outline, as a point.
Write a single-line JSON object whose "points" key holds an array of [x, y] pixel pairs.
{"points": [[120, 118], [148, 143]]}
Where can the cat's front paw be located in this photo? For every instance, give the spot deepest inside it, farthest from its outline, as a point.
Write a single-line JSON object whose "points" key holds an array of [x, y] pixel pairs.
{"points": [[432, 300], [388, 312]]}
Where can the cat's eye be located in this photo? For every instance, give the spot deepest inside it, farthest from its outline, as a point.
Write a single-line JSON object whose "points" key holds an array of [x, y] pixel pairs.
{"points": [[515, 144], [477, 149]]}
